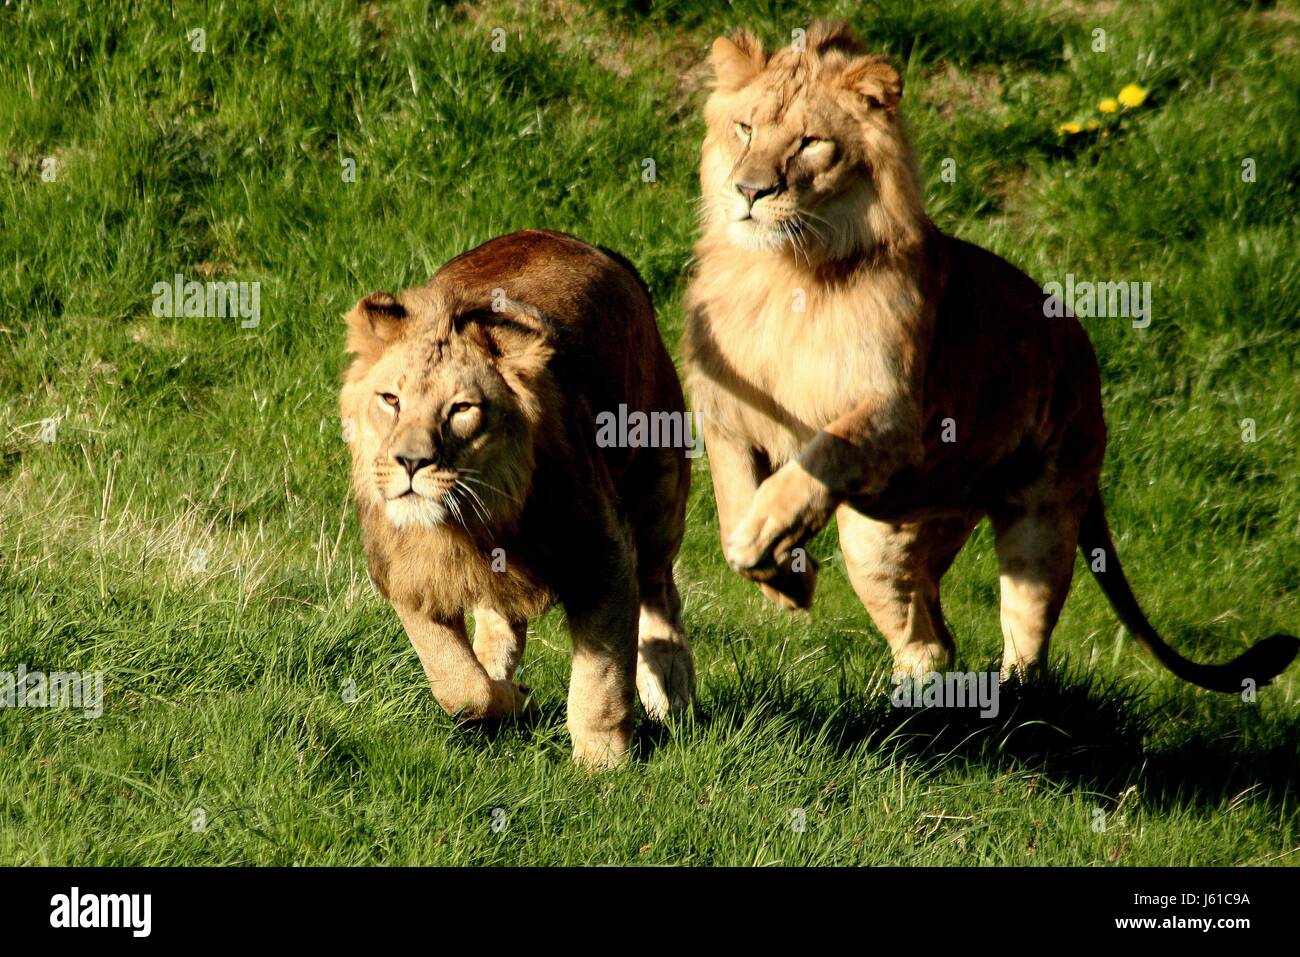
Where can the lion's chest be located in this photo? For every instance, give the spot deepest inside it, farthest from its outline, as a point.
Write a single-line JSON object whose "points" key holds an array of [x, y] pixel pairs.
{"points": [[797, 362], [444, 574]]}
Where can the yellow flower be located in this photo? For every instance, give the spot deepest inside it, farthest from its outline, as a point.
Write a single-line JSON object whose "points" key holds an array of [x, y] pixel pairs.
{"points": [[1108, 105], [1092, 125], [1132, 95], [1070, 127]]}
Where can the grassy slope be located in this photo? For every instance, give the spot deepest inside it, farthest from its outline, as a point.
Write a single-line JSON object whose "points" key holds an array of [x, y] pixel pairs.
{"points": [[224, 686]]}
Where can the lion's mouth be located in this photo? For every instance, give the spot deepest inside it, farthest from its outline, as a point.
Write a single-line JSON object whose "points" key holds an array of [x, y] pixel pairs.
{"points": [[411, 494], [793, 233], [789, 224], [441, 501], [436, 489]]}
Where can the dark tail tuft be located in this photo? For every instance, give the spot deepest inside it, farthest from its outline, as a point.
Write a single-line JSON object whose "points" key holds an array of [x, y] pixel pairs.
{"points": [[1265, 660], [1260, 663]]}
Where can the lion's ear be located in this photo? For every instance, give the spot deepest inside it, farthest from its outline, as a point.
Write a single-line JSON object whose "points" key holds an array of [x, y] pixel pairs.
{"points": [[736, 60], [374, 322], [875, 80], [824, 36], [523, 357], [517, 335]]}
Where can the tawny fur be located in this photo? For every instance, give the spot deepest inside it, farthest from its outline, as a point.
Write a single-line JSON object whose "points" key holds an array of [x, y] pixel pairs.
{"points": [[850, 360], [470, 407]]}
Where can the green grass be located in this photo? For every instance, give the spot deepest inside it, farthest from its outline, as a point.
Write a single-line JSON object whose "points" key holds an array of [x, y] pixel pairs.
{"points": [[224, 686]]}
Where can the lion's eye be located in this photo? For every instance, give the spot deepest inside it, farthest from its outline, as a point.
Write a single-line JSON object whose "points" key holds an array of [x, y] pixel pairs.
{"points": [[390, 400], [744, 130], [458, 407], [808, 141]]}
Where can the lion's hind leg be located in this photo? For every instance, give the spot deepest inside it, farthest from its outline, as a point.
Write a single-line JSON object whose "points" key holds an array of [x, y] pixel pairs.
{"points": [[1035, 539], [665, 671]]}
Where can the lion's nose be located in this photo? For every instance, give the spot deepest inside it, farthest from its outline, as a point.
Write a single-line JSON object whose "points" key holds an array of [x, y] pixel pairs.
{"points": [[753, 194], [412, 465]]}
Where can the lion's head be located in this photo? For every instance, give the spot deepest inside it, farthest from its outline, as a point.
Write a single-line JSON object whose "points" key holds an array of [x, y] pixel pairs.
{"points": [[805, 150], [440, 405]]}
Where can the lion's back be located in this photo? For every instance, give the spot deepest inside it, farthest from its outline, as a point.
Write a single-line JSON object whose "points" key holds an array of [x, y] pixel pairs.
{"points": [[606, 333]]}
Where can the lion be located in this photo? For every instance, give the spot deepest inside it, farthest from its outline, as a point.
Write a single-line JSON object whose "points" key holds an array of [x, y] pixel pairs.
{"points": [[470, 406], [850, 360]]}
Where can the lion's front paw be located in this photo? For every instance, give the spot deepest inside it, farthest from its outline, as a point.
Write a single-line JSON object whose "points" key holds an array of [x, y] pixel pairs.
{"points": [[788, 509], [792, 590], [921, 659], [508, 699], [750, 551], [600, 750]]}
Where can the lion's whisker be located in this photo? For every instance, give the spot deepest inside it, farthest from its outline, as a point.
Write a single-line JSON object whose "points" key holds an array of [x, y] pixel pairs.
{"points": [[477, 502], [492, 488], [449, 500]]}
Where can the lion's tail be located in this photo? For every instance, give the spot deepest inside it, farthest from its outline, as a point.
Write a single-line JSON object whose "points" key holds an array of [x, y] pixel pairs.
{"points": [[1260, 663]]}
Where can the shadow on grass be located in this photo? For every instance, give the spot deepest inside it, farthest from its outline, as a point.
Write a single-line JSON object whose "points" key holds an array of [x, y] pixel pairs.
{"points": [[1076, 730], [546, 723]]}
